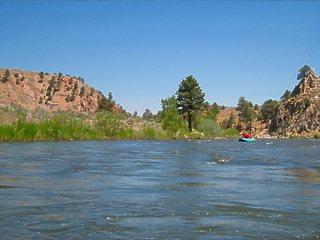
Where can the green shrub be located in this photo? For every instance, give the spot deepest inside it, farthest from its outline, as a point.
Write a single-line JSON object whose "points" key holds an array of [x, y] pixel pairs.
{"points": [[231, 133], [293, 136], [316, 136], [210, 128]]}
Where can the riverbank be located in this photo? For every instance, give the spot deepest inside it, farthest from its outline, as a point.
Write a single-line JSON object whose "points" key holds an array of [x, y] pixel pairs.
{"points": [[19, 124]]}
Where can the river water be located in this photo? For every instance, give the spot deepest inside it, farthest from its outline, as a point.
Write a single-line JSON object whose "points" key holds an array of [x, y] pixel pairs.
{"points": [[130, 189]]}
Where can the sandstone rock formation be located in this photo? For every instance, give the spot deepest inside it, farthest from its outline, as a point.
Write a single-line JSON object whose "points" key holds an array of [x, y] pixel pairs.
{"points": [[299, 116]]}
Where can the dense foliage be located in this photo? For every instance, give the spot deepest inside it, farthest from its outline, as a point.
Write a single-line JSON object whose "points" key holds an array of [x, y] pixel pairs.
{"points": [[267, 110], [190, 98], [247, 112]]}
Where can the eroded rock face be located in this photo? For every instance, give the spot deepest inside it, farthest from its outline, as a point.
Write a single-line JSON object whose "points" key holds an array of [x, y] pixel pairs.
{"points": [[50, 92], [299, 115]]}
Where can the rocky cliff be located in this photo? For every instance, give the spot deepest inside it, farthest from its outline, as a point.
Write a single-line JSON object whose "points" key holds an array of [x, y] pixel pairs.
{"points": [[51, 92], [299, 116]]}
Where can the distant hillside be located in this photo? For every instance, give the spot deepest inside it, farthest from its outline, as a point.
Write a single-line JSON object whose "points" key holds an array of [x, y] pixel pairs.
{"points": [[51, 92], [300, 115]]}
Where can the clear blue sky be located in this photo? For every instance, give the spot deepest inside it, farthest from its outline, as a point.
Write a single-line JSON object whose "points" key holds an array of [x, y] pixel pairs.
{"points": [[141, 50]]}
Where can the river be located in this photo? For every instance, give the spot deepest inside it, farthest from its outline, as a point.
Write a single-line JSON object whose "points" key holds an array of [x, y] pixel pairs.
{"points": [[157, 189]]}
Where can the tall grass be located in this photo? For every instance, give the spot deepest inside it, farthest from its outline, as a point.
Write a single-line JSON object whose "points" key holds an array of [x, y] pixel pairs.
{"points": [[75, 126], [48, 130], [63, 125]]}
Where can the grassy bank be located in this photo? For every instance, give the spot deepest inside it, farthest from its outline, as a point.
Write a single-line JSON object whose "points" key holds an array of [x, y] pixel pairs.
{"points": [[19, 124]]}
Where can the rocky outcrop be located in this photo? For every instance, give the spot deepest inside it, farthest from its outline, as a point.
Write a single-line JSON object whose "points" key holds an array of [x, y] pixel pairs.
{"points": [[309, 84], [51, 92], [300, 115]]}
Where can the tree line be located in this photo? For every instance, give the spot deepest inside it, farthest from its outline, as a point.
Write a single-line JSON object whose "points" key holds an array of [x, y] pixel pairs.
{"points": [[187, 113], [187, 109]]}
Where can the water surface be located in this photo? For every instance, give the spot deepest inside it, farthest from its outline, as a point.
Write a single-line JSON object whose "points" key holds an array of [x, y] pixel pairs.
{"points": [[130, 189]]}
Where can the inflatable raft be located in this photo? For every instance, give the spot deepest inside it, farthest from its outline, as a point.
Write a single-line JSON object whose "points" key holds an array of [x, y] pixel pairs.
{"points": [[247, 139]]}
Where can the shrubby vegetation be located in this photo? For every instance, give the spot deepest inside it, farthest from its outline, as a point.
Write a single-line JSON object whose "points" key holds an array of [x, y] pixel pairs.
{"points": [[62, 125], [183, 115], [24, 125]]}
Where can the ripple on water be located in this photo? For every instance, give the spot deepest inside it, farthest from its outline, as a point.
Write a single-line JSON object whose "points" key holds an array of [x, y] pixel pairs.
{"points": [[160, 189]]}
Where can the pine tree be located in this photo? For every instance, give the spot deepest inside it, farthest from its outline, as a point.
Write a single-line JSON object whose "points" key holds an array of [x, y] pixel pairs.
{"points": [[41, 76], [286, 95], [6, 76], [231, 121], [82, 91], [105, 104], [303, 72], [190, 98]]}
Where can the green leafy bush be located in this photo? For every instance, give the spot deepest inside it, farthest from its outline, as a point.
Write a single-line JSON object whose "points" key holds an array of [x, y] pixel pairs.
{"points": [[231, 133], [317, 136], [210, 128]]}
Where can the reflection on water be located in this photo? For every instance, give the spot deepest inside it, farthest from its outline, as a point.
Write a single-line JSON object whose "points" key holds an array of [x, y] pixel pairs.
{"points": [[214, 189], [305, 175]]}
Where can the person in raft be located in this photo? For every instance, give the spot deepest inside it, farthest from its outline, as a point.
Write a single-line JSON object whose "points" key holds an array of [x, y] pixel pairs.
{"points": [[246, 136]]}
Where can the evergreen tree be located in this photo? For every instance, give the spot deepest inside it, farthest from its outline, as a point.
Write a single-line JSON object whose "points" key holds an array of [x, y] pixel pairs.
{"points": [[82, 91], [247, 114], [60, 76], [147, 114], [286, 95], [110, 97], [303, 72], [52, 83], [92, 91], [41, 76], [231, 121], [190, 98], [81, 79], [105, 104], [267, 110], [6, 76], [135, 114], [241, 102], [213, 111]]}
